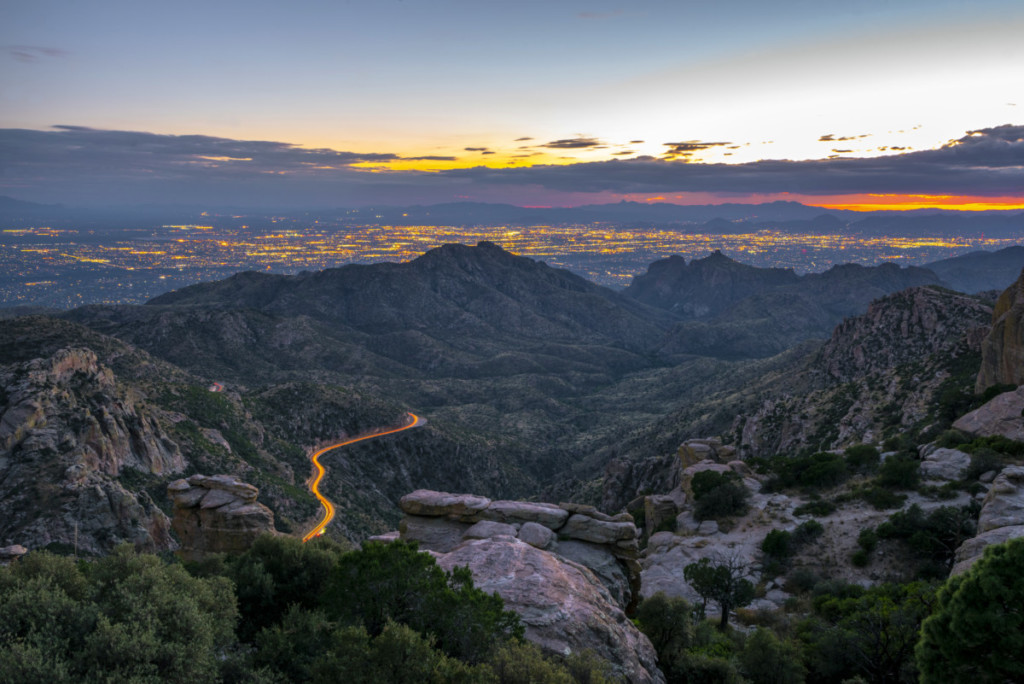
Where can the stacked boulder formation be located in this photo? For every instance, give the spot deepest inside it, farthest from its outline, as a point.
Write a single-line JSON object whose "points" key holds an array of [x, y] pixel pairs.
{"points": [[217, 514], [569, 570]]}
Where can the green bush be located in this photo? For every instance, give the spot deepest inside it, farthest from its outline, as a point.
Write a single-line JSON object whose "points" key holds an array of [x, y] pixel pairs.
{"points": [[778, 544], [900, 471], [881, 499], [394, 582], [867, 539], [932, 537], [814, 471], [862, 458], [718, 495]]}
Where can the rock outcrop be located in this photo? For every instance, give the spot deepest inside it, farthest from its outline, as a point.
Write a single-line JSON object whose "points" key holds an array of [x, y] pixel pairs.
{"points": [[879, 371], [217, 514], [943, 464], [1001, 518], [561, 603], [1002, 352], [68, 431], [607, 544], [569, 570], [1003, 415]]}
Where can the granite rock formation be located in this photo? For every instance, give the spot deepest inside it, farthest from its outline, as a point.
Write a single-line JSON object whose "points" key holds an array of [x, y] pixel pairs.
{"points": [[1002, 352], [1001, 518], [68, 431], [569, 570], [217, 514]]}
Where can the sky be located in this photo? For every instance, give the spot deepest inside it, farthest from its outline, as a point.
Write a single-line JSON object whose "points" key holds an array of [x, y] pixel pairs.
{"points": [[308, 104]]}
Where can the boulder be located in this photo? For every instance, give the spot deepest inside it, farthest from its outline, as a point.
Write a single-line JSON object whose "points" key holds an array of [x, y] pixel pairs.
{"points": [[546, 514], [430, 503], [486, 529], [972, 549], [603, 563], [945, 464], [217, 514], [586, 528], [9, 553], [563, 605], [662, 509], [1001, 518], [432, 534], [536, 535], [1000, 416], [1004, 503]]}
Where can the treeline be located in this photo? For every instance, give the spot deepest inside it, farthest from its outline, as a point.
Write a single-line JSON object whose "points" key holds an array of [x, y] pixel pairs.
{"points": [[281, 612], [291, 612]]}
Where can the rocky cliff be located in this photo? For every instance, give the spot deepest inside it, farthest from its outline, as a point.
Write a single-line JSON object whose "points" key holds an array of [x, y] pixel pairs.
{"points": [[1002, 352], [1001, 518], [570, 571], [879, 374], [217, 514], [68, 433]]}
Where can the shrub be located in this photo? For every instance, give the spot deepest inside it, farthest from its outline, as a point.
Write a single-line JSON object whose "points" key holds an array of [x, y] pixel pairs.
{"points": [[862, 458], [867, 539], [900, 471], [984, 460], [718, 495], [778, 544], [882, 499]]}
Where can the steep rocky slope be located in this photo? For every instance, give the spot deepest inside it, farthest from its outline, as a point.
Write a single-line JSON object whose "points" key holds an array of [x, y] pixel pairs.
{"points": [[68, 433], [880, 375], [1002, 352]]}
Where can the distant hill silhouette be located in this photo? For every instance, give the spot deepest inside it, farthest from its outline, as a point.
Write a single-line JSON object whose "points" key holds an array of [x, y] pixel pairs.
{"points": [[981, 271]]}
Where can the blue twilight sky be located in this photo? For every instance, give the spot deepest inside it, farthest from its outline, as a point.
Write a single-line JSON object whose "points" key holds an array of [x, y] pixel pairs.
{"points": [[387, 101]]}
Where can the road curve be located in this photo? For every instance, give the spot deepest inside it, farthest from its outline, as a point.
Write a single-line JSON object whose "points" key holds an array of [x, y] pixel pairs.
{"points": [[314, 484]]}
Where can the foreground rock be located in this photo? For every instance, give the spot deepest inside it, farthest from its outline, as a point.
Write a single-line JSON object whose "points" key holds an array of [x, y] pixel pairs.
{"points": [[570, 571], [607, 544], [564, 606], [217, 514], [1001, 518]]}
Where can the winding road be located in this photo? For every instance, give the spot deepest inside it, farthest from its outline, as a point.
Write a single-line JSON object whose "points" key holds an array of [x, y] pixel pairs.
{"points": [[314, 484]]}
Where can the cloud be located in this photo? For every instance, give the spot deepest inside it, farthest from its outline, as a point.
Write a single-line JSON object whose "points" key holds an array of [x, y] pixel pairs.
{"points": [[78, 165], [32, 53], [831, 137], [986, 162], [475, 149], [523, 139], [686, 150], [574, 143]]}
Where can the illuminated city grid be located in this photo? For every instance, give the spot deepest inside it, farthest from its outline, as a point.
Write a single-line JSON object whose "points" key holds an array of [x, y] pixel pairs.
{"points": [[64, 268]]}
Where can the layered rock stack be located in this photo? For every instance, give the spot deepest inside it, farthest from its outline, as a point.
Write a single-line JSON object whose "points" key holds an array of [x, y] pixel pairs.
{"points": [[217, 514], [569, 570], [1002, 352]]}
